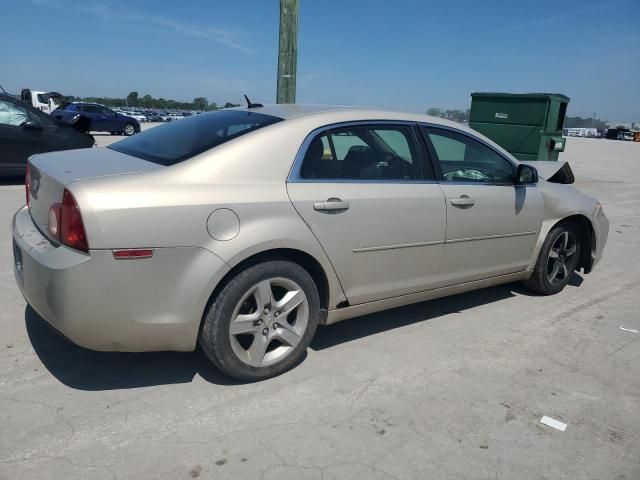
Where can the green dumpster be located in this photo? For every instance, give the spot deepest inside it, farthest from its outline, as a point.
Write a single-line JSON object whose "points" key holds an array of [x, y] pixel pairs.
{"points": [[527, 125]]}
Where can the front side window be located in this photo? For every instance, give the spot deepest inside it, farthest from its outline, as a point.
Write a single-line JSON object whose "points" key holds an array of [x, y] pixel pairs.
{"points": [[12, 114], [376, 152], [178, 141], [463, 159]]}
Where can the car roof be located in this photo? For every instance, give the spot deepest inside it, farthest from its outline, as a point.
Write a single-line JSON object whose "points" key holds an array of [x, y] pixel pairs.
{"points": [[328, 114], [291, 111], [87, 103], [8, 96]]}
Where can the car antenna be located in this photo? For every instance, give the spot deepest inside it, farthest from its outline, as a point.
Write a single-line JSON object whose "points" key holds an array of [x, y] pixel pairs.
{"points": [[252, 105], [3, 90]]}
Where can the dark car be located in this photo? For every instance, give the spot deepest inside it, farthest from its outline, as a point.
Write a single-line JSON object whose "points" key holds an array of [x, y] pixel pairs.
{"points": [[25, 130], [152, 116], [103, 119]]}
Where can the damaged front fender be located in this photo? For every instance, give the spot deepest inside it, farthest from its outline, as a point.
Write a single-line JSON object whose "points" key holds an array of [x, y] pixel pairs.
{"points": [[554, 172]]}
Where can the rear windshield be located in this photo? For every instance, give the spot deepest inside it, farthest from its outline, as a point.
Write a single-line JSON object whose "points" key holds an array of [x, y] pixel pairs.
{"points": [[185, 138]]}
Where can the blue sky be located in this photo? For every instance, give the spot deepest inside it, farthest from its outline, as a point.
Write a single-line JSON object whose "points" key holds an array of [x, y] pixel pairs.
{"points": [[402, 54]]}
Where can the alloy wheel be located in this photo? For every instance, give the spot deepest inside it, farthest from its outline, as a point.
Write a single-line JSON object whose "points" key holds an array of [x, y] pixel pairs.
{"points": [[129, 130], [269, 322], [561, 258]]}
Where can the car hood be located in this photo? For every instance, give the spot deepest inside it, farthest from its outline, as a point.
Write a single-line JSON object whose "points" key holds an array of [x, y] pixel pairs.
{"points": [[552, 171]]}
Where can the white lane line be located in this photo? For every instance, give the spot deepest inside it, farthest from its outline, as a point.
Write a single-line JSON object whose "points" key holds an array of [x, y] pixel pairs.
{"points": [[632, 330], [553, 423]]}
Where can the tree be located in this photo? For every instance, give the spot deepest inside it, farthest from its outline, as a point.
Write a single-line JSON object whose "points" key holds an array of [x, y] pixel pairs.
{"points": [[588, 122], [459, 116], [200, 103], [132, 99]]}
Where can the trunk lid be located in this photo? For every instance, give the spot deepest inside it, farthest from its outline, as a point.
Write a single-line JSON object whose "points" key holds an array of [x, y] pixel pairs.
{"points": [[51, 172]]}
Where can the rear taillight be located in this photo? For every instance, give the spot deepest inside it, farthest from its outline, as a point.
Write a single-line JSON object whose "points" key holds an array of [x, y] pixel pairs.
{"points": [[65, 223], [27, 184]]}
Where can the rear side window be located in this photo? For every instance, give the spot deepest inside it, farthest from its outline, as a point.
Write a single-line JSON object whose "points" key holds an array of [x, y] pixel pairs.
{"points": [[178, 141], [376, 152]]}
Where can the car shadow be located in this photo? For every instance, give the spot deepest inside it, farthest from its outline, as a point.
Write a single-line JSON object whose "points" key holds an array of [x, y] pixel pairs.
{"points": [[375, 323], [84, 369]]}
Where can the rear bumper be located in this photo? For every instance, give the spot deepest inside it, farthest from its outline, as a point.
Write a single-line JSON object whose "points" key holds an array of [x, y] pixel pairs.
{"points": [[115, 305]]}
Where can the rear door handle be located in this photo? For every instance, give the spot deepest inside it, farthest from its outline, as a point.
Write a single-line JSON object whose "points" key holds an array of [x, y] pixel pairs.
{"points": [[331, 205], [464, 201]]}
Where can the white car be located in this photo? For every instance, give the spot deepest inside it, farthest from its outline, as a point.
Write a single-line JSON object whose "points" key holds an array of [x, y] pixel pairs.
{"points": [[141, 117]]}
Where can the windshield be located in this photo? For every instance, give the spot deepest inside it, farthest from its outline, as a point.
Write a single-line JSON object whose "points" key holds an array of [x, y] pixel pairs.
{"points": [[178, 141]]}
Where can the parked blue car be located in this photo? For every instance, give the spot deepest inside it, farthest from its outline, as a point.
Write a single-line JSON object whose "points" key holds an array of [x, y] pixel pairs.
{"points": [[102, 118]]}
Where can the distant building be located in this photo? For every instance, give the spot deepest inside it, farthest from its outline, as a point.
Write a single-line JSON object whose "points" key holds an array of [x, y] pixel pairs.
{"points": [[580, 132], [627, 125]]}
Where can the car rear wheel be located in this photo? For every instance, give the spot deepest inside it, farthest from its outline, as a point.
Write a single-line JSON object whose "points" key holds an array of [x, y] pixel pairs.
{"points": [[557, 261], [262, 321], [129, 129]]}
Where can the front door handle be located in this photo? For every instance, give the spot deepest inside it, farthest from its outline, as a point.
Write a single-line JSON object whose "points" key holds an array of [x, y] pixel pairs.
{"points": [[463, 202], [334, 205]]}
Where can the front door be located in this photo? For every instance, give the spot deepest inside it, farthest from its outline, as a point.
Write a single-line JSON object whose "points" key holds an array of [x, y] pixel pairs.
{"points": [[98, 123], [363, 192], [492, 224]]}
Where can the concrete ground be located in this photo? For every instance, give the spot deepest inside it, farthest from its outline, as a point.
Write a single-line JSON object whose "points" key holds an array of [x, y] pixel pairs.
{"points": [[449, 389]]}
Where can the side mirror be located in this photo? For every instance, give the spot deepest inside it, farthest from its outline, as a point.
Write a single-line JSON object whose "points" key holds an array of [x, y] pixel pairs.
{"points": [[526, 174], [31, 125]]}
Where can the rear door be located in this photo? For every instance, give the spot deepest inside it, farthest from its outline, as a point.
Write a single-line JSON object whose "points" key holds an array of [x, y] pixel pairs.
{"points": [[93, 113], [377, 213], [492, 224], [108, 120]]}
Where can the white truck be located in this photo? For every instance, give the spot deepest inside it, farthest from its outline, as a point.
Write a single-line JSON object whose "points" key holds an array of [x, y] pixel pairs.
{"points": [[45, 101]]}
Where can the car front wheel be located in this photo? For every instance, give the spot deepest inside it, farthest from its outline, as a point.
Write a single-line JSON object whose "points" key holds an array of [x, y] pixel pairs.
{"points": [[557, 261], [262, 321], [129, 129]]}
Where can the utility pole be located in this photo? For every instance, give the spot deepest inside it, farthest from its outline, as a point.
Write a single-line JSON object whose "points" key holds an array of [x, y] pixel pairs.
{"points": [[288, 51]]}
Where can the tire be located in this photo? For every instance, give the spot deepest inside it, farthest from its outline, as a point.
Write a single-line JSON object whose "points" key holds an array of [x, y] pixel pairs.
{"points": [[129, 129], [270, 334], [560, 249]]}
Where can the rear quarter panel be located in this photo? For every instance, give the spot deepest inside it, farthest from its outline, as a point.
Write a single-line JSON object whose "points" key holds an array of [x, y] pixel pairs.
{"points": [[171, 207]]}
